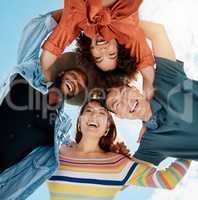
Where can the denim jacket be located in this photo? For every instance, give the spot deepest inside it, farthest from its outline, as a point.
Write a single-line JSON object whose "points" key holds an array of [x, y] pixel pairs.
{"points": [[23, 178]]}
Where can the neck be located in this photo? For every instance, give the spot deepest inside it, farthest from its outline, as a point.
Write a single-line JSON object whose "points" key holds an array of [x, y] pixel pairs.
{"points": [[89, 146]]}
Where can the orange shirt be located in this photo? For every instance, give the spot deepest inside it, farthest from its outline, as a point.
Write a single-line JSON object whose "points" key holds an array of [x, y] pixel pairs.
{"points": [[120, 21]]}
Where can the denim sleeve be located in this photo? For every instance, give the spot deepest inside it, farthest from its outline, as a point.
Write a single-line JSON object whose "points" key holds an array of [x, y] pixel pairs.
{"points": [[32, 37], [62, 126], [168, 71], [149, 156], [150, 150]]}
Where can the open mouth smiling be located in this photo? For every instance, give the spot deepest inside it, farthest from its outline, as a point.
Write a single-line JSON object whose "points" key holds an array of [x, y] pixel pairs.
{"points": [[101, 41], [70, 86], [93, 125]]}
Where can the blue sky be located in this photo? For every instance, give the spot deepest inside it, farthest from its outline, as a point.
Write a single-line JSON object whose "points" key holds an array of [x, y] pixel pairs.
{"points": [[14, 15]]}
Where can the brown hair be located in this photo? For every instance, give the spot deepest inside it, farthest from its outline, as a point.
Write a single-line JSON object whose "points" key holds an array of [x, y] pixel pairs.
{"points": [[106, 143], [126, 65]]}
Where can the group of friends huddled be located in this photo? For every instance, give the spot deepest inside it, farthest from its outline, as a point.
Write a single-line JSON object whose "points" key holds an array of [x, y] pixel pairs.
{"points": [[111, 49]]}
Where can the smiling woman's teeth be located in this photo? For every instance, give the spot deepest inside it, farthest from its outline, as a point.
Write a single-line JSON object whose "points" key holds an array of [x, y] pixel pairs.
{"points": [[93, 125], [69, 86], [101, 42]]}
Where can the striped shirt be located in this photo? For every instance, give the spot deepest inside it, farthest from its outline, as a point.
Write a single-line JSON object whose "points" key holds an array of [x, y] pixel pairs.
{"points": [[102, 178]]}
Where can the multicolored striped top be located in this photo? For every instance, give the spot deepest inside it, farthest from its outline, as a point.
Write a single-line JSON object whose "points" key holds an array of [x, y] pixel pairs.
{"points": [[102, 178]]}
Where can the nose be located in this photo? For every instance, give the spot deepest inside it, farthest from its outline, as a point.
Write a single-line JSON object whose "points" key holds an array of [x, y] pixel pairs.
{"points": [[94, 115]]}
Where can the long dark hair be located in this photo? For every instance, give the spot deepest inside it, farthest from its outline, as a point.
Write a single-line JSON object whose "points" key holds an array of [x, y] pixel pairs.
{"points": [[126, 65], [106, 143]]}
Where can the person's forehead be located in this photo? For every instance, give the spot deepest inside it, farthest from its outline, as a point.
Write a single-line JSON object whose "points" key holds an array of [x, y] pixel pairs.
{"points": [[122, 93], [95, 105], [118, 90], [73, 73], [113, 95]]}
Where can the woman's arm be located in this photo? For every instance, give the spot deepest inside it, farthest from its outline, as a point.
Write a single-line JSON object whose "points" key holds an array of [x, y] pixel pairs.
{"points": [[32, 37], [147, 176], [161, 48], [47, 58], [159, 39]]}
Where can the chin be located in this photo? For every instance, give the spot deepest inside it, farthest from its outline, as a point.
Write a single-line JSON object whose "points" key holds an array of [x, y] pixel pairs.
{"points": [[93, 133]]}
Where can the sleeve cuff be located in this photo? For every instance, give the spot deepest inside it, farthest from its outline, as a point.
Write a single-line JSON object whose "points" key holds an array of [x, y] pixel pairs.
{"points": [[153, 158], [159, 60], [52, 49], [146, 63]]}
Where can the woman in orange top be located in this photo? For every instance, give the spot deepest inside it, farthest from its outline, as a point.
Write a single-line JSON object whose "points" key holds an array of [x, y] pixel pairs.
{"points": [[108, 23]]}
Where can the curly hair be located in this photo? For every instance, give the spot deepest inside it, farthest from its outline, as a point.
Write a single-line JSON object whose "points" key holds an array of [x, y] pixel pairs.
{"points": [[106, 143], [126, 65]]}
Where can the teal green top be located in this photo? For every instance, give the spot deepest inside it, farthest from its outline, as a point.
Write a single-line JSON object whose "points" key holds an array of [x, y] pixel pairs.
{"points": [[172, 131]]}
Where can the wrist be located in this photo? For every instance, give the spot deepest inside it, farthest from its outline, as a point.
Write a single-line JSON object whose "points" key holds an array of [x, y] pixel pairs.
{"points": [[148, 82]]}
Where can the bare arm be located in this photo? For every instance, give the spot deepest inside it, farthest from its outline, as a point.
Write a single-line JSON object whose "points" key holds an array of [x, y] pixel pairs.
{"points": [[148, 74], [159, 39], [47, 59], [161, 48]]}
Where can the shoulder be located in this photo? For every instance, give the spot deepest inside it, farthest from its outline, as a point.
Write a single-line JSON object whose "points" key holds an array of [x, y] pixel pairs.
{"points": [[162, 60]]}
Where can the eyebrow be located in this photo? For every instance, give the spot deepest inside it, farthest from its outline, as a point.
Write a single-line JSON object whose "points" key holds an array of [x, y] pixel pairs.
{"points": [[98, 60], [101, 109], [112, 58]]}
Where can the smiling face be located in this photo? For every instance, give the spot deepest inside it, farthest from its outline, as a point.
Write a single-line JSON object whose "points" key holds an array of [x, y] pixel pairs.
{"points": [[128, 102], [105, 53], [94, 120], [72, 82]]}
